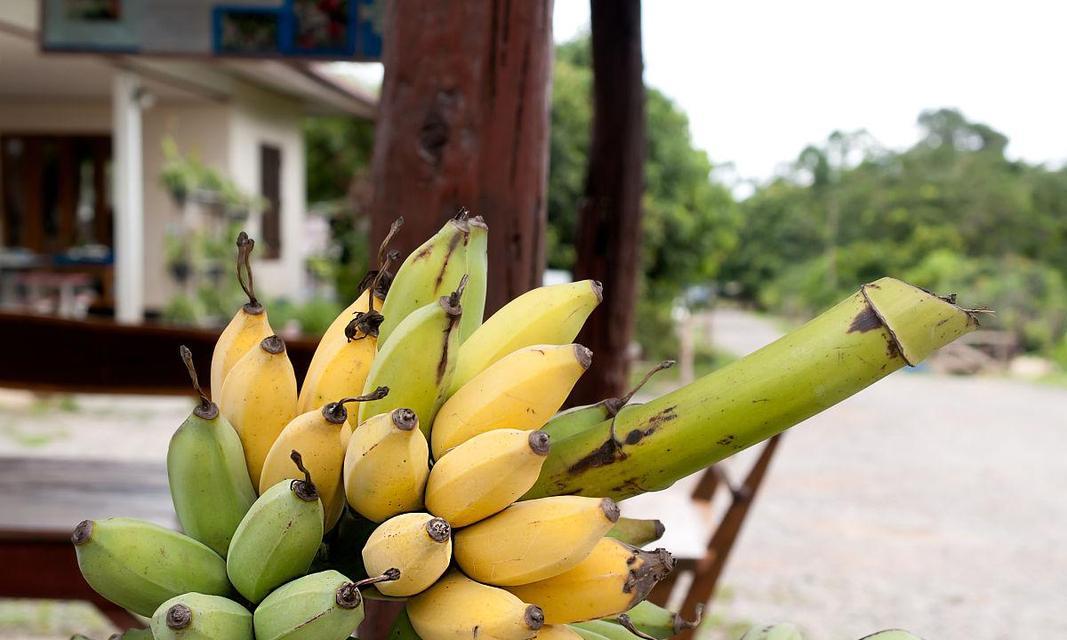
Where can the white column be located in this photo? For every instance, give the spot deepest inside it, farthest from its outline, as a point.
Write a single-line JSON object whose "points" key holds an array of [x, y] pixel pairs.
{"points": [[128, 198]]}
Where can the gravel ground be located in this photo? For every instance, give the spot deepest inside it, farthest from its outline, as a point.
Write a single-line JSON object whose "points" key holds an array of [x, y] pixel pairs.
{"points": [[925, 502]]}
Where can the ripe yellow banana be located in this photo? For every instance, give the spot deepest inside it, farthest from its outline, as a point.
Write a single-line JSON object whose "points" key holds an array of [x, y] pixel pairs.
{"points": [[209, 482], [534, 540], [320, 606], [247, 327], [417, 544], [386, 466], [259, 399], [139, 565], [485, 474], [321, 436], [417, 361], [520, 391], [546, 315], [557, 632], [478, 270], [458, 608], [195, 616], [610, 580], [278, 538], [429, 272]]}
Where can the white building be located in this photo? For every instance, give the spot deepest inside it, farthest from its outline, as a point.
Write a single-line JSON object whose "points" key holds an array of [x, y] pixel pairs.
{"points": [[81, 139]]}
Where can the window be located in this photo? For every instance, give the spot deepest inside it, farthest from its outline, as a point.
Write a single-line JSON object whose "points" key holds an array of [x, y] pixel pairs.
{"points": [[270, 187]]}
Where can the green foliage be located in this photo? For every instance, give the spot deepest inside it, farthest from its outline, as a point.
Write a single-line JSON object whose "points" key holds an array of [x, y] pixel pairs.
{"points": [[951, 213], [313, 316], [690, 222]]}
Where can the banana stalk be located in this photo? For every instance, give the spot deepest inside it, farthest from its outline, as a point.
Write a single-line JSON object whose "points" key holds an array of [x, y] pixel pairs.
{"points": [[864, 338]]}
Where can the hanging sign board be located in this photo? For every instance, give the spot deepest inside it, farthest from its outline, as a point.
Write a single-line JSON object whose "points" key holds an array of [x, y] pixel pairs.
{"points": [[317, 29]]}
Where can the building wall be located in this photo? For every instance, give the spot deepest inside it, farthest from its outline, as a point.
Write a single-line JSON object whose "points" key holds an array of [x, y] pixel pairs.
{"points": [[262, 117]]}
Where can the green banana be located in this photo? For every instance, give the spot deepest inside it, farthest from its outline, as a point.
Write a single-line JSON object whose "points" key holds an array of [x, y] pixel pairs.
{"points": [[402, 629], [609, 630], [586, 633], [636, 532], [892, 634], [320, 606], [195, 616], [782, 631], [577, 419], [139, 565], [278, 538], [209, 481], [417, 364], [656, 621], [478, 271], [130, 634], [429, 272], [864, 338]]}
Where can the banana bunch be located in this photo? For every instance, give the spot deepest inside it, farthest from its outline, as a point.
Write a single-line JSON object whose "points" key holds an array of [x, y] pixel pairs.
{"points": [[422, 424]]}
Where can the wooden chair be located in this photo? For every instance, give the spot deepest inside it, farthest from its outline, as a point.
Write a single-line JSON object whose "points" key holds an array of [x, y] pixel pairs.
{"points": [[707, 570]]}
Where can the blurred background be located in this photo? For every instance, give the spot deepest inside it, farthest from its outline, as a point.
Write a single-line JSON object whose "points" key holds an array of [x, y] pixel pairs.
{"points": [[727, 169]]}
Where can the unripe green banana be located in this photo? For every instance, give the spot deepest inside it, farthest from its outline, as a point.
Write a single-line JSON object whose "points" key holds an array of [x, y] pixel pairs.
{"points": [[534, 540], [557, 632], [609, 630], [586, 634], [130, 634], [417, 544], [546, 315], [478, 270], [656, 621], [416, 364], [402, 629], [139, 565], [429, 272], [195, 616], [892, 634], [577, 419], [782, 631], [320, 606], [278, 538], [636, 532], [209, 482]]}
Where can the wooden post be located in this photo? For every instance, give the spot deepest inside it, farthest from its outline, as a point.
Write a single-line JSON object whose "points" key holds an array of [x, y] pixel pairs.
{"points": [[609, 231], [464, 122]]}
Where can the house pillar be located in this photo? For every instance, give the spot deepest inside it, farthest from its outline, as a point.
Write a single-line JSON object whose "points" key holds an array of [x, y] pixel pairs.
{"points": [[128, 197]]}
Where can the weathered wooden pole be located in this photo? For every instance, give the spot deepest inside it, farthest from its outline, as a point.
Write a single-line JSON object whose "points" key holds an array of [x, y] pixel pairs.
{"points": [[464, 122], [609, 232]]}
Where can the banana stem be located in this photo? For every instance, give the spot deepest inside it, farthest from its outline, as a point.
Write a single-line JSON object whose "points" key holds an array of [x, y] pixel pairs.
{"points": [[207, 409], [884, 326], [628, 624], [244, 272], [389, 576], [336, 412], [304, 489], [614, 405]]}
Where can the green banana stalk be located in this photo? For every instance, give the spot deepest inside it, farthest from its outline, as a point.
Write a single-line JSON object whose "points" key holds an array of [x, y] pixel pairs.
{"points": [[209, 480], [416, 365], [636, 531], [577, 419], [656, 621], [781, 631], [478, 272], [279, 537], [883, 327], [320, 606], [429, 272], [892, 634], [195, 616], [139, 565]]}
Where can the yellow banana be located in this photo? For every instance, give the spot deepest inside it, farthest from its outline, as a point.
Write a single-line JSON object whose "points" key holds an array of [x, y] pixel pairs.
{"points": [[247, 327], [321, 436], [557, 632], [478, 270], [485, 474], [259, 399], [386, 466], [417, 361], [534, 540], [457, 608], [611, 579], [417, 544], [546, 315], [429, 272], [522, 390]]}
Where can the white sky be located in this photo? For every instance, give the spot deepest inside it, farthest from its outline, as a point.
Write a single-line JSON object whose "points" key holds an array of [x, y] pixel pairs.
{"points": [[760, 79]]}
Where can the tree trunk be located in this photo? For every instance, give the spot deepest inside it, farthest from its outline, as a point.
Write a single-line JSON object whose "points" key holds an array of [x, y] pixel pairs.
{"points": [[464, 122], [609, 231]]}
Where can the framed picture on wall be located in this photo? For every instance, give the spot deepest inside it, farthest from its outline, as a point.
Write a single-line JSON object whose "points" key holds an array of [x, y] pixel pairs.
{"points": [[245, 30], [320, 27], [91, 25]]}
